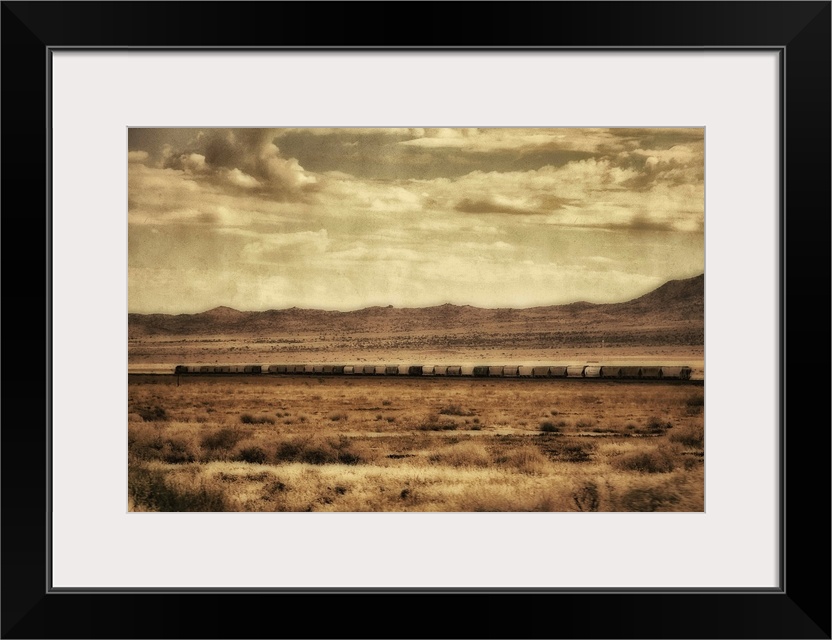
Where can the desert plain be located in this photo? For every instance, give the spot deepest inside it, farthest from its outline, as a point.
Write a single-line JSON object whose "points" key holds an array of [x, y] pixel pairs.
{"points": [[424, 444]]}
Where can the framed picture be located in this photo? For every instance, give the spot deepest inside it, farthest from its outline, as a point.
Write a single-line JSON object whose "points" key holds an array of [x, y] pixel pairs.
{"points": [[85, 81]]}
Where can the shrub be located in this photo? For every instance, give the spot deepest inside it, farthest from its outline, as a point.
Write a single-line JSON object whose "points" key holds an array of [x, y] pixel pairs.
{"points": [[254, 455], [586, 497], [526, 459], [689, 436], [224, 438], [549, 427], [149, 490], [648, 499], [153, 413], [247, 418], [318, 451], [656, 425], [177, 451], [455, 410], [577, 451], [656, 460], [697, 400], [463, 454]]}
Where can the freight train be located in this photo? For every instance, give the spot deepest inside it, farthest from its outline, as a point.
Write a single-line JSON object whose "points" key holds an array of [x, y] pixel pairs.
{"points": [[616, 372]]}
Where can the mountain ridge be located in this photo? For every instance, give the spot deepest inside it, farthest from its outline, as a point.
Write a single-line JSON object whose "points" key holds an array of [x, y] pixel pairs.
{"points": [[674, 302]]}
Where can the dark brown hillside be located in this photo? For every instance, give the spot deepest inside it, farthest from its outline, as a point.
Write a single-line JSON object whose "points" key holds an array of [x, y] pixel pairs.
{"points": [[673, 313]]}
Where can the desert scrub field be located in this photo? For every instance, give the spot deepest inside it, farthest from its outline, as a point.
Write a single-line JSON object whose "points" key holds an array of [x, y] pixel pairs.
{"points": [[391, 444]]}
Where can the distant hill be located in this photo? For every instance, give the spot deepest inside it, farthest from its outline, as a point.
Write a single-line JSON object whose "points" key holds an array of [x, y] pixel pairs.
{"points": [[675, 309]]}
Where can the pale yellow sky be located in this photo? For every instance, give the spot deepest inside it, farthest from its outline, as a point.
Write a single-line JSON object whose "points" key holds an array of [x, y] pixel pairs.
{"points": [[343, 219]]}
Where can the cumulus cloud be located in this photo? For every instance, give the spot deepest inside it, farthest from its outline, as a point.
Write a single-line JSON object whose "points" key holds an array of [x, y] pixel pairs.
{"points": [[241, 158]]}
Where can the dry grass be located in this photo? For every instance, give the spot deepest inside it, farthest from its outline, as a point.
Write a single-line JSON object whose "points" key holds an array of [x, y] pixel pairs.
{"points": [[336, 444]]}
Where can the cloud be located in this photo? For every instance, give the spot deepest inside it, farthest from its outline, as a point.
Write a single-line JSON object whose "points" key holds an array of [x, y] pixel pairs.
{"points": [[240, 179], [137, 156], [501, 204], [240, 158], [287, 247]]}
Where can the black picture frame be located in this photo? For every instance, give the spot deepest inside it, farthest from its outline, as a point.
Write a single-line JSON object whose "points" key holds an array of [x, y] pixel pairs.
{"points": [[799, 608]]}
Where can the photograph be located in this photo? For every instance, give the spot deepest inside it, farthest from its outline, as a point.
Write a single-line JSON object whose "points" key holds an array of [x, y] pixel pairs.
{"points": [[416, 319]]}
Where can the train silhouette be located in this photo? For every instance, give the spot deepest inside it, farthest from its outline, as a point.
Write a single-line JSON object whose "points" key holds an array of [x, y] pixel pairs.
{"points": [[617, 372]]}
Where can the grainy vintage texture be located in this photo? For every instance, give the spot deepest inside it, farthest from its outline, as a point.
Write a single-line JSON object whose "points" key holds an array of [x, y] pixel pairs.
{"points": [[302, 300]]}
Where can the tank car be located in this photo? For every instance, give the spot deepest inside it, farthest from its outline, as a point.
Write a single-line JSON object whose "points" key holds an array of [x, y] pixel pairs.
{"points": [[592, 371], [575, 371]]}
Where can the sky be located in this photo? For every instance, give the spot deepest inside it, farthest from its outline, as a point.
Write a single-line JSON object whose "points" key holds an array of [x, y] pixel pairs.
{"points": [[350, 218]]}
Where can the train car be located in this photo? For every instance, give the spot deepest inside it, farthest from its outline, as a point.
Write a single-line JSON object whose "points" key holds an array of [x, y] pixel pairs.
{"points": [[629, 372], [592, 371], [676, 373], [575, 371]]}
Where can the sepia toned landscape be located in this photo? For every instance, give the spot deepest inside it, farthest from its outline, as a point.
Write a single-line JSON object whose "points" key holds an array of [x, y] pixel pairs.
{"points": [[411, 250]]}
